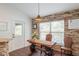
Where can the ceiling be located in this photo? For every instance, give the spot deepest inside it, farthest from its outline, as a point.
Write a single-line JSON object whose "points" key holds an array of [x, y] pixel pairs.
{"points": [[31, 9]]}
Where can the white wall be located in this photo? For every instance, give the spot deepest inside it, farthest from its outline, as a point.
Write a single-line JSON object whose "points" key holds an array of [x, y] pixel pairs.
{"points": [[7, 14]]}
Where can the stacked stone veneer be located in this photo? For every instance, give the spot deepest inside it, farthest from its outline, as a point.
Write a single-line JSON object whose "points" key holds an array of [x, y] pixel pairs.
{"points": [[74, 34], [4, 49]]}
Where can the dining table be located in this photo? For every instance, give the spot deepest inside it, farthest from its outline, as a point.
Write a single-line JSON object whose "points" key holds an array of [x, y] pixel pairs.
{"points": [[43, 43]]}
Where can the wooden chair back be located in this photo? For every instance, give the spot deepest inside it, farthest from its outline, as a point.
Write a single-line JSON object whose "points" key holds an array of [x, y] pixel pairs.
{"points": [[68, 42], [49, 37]]}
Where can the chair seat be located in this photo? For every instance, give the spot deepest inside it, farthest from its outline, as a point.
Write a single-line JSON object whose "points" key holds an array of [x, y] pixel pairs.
{"points": [[65, 48], [66, 51]]}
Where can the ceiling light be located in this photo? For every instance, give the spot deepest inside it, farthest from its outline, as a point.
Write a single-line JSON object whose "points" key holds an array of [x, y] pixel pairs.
{"points": [[38, 17]]}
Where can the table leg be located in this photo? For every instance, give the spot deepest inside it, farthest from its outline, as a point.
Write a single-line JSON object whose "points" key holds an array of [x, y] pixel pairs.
{"points": [[41, 50], [61, 52]]}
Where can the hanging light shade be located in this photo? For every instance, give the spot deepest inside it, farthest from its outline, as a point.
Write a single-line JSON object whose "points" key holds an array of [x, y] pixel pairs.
{"points": [[38, 17]]}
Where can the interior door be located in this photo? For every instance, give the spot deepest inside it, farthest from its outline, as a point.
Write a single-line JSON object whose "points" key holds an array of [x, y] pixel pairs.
{"points": [[18, 35]]}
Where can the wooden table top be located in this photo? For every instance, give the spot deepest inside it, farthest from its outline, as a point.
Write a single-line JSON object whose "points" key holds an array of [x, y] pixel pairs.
{"points": [[42, 42]]}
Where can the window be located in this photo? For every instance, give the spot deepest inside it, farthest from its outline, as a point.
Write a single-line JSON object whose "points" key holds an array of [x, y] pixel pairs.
{"points": [[57, 26], [57, 31], [73, 24], [44, 29], [18, 29]]}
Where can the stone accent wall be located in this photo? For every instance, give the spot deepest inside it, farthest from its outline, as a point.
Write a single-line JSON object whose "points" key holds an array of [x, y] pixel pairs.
{"points": [[4, 49], [73, 33]]}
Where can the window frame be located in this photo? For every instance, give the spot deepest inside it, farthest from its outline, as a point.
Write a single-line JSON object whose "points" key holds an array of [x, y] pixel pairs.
{"points": [[50, 30]]}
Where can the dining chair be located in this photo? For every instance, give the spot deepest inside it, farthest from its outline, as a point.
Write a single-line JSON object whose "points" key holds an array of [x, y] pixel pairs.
{"points": [[49, 37], [47, 50], [67, 46]]}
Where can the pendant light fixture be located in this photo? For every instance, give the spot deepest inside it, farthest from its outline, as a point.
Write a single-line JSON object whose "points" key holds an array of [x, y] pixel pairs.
{"points": [[38, 18]]}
